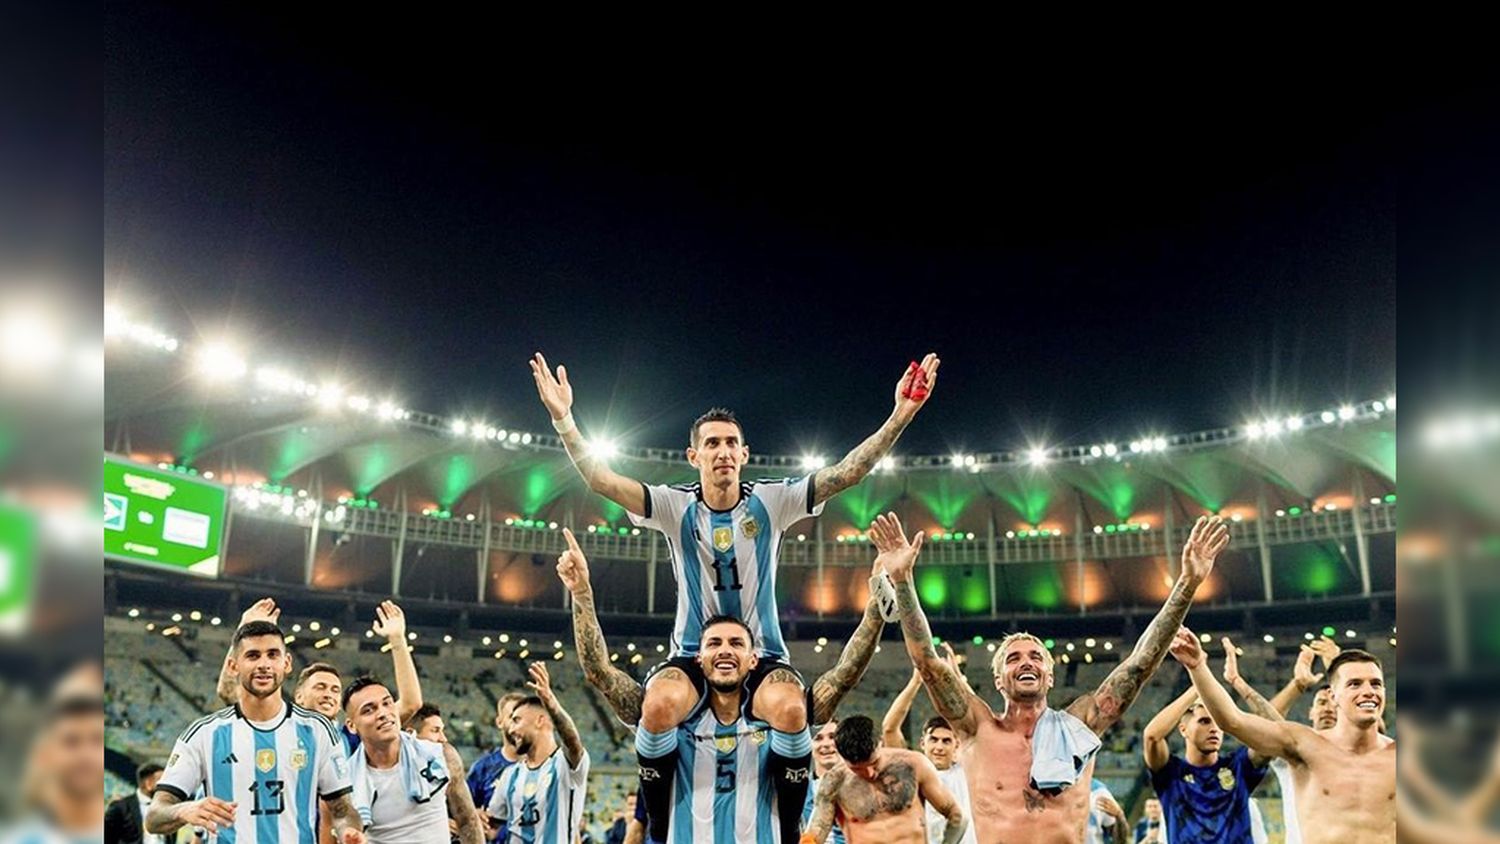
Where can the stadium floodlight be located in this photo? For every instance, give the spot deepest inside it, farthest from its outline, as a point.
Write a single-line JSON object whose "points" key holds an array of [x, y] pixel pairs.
{"points": [[29, 341], [1273, 427], [1254, 430], [359, 403], [460, 427], [1294, 423], [1135, 446], [447, 638], [1378, 407], [526, 439], [813, 461], [1346, 413], [970, 460], [220, 362], [1390, 401], [331, 396], [886, 463], [1327, 416], [1096, 451], [1098, 528], [1159, 444], [476, 430], [1110, 449], [1268, 638], [515, 437], [1088, 643], [957, 460]]}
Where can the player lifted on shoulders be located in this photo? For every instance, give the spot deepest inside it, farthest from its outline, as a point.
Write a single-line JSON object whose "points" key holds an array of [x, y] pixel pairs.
{"points": [[1030, 767], [724, 538]]}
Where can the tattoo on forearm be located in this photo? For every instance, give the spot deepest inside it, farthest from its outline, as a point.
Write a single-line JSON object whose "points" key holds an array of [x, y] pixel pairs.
{"points": [[832, 480], [621, 692], [836, 682], [343, 816], [1120, 688], [161, 815], [1257, 703], [948, 692], [460, 802]]}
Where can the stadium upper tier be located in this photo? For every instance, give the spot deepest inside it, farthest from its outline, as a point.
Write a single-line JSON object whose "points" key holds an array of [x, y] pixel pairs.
{"points": [[336, 490]]}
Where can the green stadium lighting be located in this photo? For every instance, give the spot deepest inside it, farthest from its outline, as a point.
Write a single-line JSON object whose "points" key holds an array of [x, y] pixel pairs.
{"points": [[1329, 631], [1050, 643], [1391, 498], [1295, 511], [978, 640]]}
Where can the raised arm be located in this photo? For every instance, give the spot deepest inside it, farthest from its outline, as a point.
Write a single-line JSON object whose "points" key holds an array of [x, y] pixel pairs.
{"points": [[833, 684], [263, 610], [623, 693], [567, 731], [821, 821], [1268, 738], [890, 726], [1101, 708], [941, 800], [390, 623], [912, 392], [1154, 739], [951, 696], [460, 801], [557, 395]]}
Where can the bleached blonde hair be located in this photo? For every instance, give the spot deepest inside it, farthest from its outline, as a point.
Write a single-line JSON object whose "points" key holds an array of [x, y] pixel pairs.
{"points": [[999, 659]]}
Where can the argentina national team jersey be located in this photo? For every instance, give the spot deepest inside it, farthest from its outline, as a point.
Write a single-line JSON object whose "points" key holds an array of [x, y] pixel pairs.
{"points": [[275, 772], [721, 794], [541, 805], [725, 562]]}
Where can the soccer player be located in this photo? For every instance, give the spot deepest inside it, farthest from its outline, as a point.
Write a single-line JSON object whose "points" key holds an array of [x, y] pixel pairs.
{"points": [[878, 793], [938, 743], [1344, 777], [397, 777], [724, 537], [996, 750], [541, 797], [1150, 829], [825, 759], [1204, 795], [263, 763], [428, 724], [488, 768]]}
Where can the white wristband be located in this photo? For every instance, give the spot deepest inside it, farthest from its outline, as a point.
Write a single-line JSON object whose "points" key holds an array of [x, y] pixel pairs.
{"points": [[564, 425]]}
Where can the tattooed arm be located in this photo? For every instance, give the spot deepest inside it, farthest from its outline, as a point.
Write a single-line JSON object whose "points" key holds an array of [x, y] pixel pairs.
{"points": [[567, 731], [623, 694], [833, 684], [460, 801], [1101, 708], [557, 395], [821, 822], [832, 480], [348, 828], [950, 694], [941, 800], [1276, 708], [169, 813]]}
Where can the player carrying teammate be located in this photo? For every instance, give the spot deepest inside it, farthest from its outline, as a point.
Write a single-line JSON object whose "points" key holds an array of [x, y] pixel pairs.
{"points": [[724, 536], [263, 763]]}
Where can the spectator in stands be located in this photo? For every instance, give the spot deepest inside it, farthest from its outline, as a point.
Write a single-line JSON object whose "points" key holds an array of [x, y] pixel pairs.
{"points": [[124, 819], [1150, 829], [64, 778], [488, 768]]}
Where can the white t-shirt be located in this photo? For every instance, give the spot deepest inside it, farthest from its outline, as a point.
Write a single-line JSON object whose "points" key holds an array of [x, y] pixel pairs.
{"points": [[1257, 823], [1283, 773], [396, 819], [954, 780]]}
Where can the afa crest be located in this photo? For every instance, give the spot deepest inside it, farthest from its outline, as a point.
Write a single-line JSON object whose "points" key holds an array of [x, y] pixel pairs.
{"points": [[750, 527], [723, 538], [530, 789], [1226, 779], [265, 760], [759, 736], [299, 759], [725, 743]]}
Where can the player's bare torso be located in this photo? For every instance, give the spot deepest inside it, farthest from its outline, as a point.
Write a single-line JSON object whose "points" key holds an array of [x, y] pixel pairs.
{"points": [[1345, 796], [997, 762], [886, 810]]}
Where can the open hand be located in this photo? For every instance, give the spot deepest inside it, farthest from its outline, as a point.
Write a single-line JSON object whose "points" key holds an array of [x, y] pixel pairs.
{"points": [[1185, 649], [556, 392], [390, 622], [263, 610], [897, 555], [1210, 536], [1303, 673], [1231, 662]]}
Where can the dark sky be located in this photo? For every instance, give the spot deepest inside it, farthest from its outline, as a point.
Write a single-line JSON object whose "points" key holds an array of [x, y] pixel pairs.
{"points": [[417, 210]]}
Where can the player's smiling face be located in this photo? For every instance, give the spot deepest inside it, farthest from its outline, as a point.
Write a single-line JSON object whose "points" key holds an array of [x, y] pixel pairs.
{"points": [[1324, 713], [938, 746], [372, 710], [726, 655], [1023, 671], [719, 453], [1359, 693], [261, 663], [825, 752], [321, 692]]}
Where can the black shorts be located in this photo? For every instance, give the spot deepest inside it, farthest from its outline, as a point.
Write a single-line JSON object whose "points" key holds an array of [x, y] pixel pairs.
{"points": [[689, 666]]}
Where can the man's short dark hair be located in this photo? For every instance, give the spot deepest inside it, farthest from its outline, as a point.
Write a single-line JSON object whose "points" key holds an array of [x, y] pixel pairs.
{"points": [[715, 414], [146, 771], [425, 711], [856, 739], [531, 700], [1348, 657], [362, 682], [253, 629], [937, 722], [317, 668], [729, 619]]}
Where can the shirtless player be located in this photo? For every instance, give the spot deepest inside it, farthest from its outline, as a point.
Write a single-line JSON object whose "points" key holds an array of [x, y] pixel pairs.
{"points": [[996, 750], [877, 795], [1345, 776]]}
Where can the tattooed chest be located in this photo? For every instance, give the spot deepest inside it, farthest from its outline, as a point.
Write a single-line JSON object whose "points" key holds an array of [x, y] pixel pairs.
{"points": [[893, 791]]}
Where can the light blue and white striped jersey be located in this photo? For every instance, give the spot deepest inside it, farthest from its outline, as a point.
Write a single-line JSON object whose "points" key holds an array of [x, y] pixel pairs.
{"points": [[721, 794], [1099, 820], [725, 562], [541, 805], [274, 771]]}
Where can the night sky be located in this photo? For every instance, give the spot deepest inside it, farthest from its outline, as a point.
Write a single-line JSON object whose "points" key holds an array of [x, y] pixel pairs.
{"points": [[1126, 253]]}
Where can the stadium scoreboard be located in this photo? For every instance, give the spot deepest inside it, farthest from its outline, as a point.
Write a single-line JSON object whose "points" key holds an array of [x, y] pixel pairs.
{"points": [[161, 517]]}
